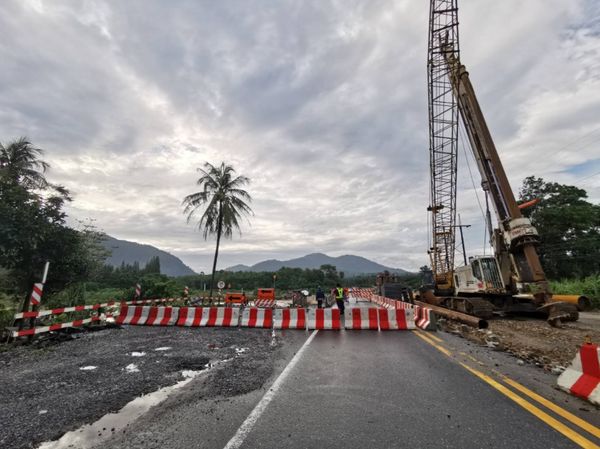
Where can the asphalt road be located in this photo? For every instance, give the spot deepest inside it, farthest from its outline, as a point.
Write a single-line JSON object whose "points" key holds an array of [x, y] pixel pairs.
{"points": [[367, 389], [297, 389]]}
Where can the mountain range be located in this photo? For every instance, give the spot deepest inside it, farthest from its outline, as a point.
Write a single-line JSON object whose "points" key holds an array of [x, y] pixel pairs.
{"points": [[130, 252], [123, 251], [350, 265]]}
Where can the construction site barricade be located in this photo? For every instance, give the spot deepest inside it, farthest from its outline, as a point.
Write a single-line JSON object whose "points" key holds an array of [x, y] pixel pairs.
{"points": [[361, 318], [264, 303], [162, 316], [289, 318], [254, 317], [133, 315], [53, 327], [396, 319], [582, 377], [208, 316], [324, 319], [426, 319]]}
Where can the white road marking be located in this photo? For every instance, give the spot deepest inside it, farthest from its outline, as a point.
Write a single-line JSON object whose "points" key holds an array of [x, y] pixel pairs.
{"points": [[238, 439]]}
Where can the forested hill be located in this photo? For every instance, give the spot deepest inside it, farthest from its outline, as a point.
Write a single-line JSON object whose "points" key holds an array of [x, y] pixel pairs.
{"points": [[350, 265], [130, 252]]}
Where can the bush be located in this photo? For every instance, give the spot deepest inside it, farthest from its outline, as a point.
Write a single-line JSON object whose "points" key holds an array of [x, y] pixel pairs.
{"points": [[588, 286]]}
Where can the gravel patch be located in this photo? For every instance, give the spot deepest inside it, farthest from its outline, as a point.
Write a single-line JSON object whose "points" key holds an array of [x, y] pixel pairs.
{"points": [[47, 391]]}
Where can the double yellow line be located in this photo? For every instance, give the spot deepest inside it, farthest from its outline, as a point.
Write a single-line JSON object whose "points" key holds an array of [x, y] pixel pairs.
{"points": [[531, 408]]}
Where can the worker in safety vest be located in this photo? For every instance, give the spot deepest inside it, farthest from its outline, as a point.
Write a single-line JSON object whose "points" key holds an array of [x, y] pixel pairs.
{"points": [[339, 297]]}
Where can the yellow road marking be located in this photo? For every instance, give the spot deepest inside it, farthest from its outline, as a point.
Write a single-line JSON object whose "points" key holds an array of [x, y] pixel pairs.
{"points": [[555, 408], [434, 344], [434, 337], [555, 424]]}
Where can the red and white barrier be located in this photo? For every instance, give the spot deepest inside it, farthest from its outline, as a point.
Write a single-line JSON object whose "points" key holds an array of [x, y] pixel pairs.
{"points": [[396, 319], [324, 319], [424, 318], [162, 316], [133, 315], [208, 316], [363, 293], [289, 318], [36, 293], [53, 327], [361, 318], [254, 317], [264, 302], [403, 305], [583, 376]]}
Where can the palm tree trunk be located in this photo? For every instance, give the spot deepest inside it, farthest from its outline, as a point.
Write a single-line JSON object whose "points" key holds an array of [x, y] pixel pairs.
{"points": [[219, 228]]}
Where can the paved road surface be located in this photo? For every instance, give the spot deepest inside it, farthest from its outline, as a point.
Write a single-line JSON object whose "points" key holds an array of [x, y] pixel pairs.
{"points": [[365, 389]]}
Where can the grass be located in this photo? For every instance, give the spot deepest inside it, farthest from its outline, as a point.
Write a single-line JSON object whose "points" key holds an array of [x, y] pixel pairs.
{"points": [[588, 286]]}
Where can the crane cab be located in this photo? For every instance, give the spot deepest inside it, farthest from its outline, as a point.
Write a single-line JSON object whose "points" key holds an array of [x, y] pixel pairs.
{"points": [[481, 276]]}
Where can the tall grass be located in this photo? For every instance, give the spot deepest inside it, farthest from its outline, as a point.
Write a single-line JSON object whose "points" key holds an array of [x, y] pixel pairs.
{"points": [[588, 286]]}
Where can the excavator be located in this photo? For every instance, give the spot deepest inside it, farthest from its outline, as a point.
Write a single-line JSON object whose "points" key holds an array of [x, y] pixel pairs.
{"points": [[512, 280]]}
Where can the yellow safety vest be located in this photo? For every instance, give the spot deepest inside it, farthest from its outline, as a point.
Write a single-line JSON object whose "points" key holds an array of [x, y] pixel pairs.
{"points": [[340, 293]]}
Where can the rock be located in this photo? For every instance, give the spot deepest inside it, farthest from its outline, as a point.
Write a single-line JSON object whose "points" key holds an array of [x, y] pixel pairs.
{"points": [[558, 369], [520, 362]]}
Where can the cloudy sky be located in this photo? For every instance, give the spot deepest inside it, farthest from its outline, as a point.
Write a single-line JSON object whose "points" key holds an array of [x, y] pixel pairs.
{"points": [[323, 104]]}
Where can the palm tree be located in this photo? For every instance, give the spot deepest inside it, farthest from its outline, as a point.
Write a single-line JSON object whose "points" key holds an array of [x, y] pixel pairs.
{"points": [[20, 164], [225, 203]]}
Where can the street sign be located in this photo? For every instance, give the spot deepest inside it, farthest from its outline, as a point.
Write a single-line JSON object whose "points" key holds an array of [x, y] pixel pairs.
{"points": [[221, 284]]}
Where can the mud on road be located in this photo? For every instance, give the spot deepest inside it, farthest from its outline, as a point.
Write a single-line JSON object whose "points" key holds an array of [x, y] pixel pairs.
{"points": [[533, 340], [47, 391]]}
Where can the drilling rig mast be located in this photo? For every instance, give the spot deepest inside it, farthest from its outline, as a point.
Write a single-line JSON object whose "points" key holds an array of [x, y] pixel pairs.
{"points": [[443, 140]]}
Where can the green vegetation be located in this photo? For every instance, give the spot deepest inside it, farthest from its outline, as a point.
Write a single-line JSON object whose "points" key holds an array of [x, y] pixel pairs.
{"points": [[224, 202], [569, 227], [588, 286]]}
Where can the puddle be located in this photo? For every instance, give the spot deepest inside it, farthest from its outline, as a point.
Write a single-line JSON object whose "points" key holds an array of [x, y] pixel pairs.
{"points": [[91, 435], [138, 354], [88, 368], [164, 348]]}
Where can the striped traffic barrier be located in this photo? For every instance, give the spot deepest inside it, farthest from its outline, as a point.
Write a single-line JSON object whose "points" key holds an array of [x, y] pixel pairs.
{"points": [[162, 316], [324, 319], [582, 377], [396, 319], [254, 317], [53, 327], [289, 318], [426, 320], [208, 316], [361, 318], [264, 303], [133, 315]]}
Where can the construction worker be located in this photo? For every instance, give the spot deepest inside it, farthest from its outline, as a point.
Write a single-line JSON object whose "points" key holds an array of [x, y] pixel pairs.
{"points": [[339, 297], [320, 295]]}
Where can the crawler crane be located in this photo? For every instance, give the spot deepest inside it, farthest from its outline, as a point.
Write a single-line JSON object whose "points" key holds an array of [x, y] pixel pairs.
{"points": [[513, 279]]}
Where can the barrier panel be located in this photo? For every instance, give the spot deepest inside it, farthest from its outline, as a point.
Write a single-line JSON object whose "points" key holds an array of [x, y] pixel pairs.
{"points": [[289, 318], [253, 317], [133, 315], [208, 316], [162, 316], [396, 319], [361, 318], [264, 303], [583, 376], [324, 319]]}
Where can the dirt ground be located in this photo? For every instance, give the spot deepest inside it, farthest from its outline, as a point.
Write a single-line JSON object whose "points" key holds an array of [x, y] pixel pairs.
{"points": [[53, 386], [533, 340]]}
